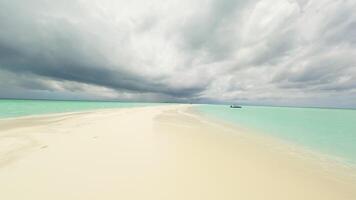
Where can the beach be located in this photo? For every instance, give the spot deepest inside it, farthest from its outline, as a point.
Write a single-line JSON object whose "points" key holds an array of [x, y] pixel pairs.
{"points": [[155, 152]]}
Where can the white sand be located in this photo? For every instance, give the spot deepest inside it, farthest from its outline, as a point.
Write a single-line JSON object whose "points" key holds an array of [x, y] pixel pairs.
{"points": [[158, 153]]}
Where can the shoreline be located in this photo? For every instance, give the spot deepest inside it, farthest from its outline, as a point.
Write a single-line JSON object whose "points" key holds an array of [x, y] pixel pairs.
{"points": [[59, 114], [313, 152], [163, 152], [327, 162], [53, 109]]}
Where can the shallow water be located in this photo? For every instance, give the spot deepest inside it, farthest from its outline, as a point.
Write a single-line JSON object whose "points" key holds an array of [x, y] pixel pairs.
{"points": [[16, 108], [328, 131]]}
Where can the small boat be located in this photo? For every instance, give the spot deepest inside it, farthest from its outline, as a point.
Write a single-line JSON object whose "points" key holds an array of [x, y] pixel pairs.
{"points": [[235, 106]]}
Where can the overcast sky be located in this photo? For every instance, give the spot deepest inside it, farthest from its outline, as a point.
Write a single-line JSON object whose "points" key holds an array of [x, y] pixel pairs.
{"points": [[278, 52]]}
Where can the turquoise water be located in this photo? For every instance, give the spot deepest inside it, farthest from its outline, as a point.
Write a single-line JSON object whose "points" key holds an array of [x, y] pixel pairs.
{"points": [[329, 131], [16, 108]]}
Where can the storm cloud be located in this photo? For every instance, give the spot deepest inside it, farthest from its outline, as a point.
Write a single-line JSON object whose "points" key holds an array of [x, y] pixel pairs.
{"points": [[280, 52]]}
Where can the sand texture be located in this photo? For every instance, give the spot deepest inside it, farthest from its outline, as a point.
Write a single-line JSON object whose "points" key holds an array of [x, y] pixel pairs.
{"points": [[152, 153]]}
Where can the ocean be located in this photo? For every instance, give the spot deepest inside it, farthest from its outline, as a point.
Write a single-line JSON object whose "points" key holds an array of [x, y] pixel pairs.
{"points": [[327, 131], [17, 108]]}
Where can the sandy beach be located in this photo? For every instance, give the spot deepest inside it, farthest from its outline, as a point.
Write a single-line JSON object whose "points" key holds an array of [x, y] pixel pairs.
{"points": [[158, 152]]}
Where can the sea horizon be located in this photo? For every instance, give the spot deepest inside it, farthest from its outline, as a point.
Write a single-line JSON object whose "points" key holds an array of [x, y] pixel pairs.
{"points": [[194, 103], [206, 99]]}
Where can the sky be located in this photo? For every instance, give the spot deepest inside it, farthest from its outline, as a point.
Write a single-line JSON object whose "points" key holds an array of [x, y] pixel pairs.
{"points": [[259, 52]]}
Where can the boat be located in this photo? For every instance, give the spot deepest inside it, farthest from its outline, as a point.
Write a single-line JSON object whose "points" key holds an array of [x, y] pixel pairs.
{"points": [[235, 106]]}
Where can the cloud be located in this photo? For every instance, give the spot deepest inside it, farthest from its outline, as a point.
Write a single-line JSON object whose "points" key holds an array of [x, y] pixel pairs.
{"points": [[295, 52]]}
